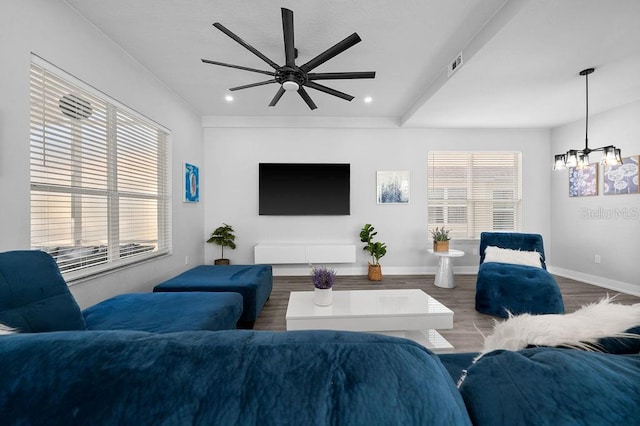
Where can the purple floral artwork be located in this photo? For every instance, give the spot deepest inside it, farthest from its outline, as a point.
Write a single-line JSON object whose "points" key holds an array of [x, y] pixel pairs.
{"points": [[623, 178], [583, 182]]}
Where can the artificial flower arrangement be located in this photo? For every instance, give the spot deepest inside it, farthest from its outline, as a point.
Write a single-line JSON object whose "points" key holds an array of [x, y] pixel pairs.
{"points": [[440, 234], [322, 277], [440, 239]]}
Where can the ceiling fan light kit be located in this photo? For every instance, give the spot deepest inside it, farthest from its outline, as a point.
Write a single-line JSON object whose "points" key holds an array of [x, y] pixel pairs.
{"points": [[291, 77], [580, 157]]}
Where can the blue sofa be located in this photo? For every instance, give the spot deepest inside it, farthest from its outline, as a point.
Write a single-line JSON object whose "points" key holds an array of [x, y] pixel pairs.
{"points": [[552, 386], [223, 378], [503, 288], [34, 297], [307, 377]]}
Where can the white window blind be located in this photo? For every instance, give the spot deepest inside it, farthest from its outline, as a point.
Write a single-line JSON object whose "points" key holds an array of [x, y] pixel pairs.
{"points": [[472, 192], [99, 178]]}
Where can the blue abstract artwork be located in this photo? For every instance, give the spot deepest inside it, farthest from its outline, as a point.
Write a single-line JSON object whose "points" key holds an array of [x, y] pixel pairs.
{"points": [[393, 187], [191, 183]]}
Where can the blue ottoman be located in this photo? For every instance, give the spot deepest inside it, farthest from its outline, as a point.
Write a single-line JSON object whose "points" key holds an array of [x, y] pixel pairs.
{"points": [[253, 282], [166, 312]]}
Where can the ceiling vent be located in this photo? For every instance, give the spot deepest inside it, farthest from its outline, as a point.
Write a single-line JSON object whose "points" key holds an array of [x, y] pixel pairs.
{"points": [[75, 107]]}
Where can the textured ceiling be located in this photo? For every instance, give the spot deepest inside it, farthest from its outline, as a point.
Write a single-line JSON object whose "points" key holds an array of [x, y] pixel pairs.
{"points": [[521, 57]]}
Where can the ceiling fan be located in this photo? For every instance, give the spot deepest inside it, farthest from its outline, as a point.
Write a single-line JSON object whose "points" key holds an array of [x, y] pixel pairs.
{"points": [[291, 77]]}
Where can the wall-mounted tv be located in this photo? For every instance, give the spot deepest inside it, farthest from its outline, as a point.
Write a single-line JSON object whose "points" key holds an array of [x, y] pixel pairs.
{"points": [[290, 189]]}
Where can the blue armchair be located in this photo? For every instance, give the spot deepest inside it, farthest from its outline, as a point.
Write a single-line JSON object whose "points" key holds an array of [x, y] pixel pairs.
{"points": [[503, 288], [34, 297]]}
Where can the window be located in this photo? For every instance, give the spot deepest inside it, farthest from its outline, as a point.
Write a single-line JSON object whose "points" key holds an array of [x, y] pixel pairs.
{"points": [[99, 177], [472, 192]]}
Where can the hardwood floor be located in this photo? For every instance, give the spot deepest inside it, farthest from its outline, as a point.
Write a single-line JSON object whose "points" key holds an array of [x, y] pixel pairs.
{"points": [[467, 323]]}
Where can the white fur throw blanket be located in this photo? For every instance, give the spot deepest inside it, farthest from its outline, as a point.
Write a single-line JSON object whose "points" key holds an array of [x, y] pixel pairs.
{"points": [[580, 329], [5, 329]]}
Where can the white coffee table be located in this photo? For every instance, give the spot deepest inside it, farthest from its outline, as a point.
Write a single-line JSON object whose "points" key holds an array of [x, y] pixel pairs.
{"points": [[411, 314]]}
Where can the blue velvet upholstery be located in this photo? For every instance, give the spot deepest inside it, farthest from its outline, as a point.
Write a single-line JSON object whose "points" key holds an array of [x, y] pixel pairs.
{"points": [[503, 287], [224, 378], [547, 386], [166, 312], [254, 282], [456, 363], [513, 241], [33, 295]]}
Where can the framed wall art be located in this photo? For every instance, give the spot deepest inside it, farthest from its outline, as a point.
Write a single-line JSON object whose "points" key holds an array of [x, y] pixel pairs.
{"points": [[393, 187], [583, 182], [191, 183], [623, 178]]}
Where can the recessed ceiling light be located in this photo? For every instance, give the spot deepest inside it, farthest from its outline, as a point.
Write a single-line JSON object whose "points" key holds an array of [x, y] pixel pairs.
{"points": [[228, 98], [368, 100]]}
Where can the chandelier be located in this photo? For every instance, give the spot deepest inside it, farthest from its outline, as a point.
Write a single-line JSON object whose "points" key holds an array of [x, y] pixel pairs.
{"points": [[580, 157]]}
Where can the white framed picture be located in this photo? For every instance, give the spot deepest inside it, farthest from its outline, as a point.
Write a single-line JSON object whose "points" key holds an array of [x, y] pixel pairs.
{"points": [[393, 187], [191, 183]]}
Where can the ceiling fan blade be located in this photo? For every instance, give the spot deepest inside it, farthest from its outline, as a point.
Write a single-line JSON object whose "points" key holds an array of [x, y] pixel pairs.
{"points": [[260, 83], [240, 67], [304, 95], [340, 75], [287, 30], [277, 97], [246, 45], [331, 52], [328, 90]]}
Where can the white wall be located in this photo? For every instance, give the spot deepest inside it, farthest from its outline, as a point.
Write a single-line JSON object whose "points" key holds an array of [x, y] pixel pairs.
{"points": [[607, 225], [52, 30], [231, 194]]}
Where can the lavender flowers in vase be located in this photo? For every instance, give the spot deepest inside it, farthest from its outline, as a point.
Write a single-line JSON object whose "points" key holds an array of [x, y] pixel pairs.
{"points": [[323, 279]]}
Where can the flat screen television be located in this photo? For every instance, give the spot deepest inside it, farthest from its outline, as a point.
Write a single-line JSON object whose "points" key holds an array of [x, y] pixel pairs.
{"points": [[291, 189]]}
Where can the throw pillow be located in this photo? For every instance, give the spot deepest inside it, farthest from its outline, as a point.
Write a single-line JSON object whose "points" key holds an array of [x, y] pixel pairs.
{"points": [[516, 257]]}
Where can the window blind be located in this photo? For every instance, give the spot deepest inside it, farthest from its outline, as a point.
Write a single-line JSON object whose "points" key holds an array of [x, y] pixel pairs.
{"points": [[472, 192], [99, 178]]}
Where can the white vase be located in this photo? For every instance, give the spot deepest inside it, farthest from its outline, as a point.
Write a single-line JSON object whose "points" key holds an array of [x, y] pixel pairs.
{"points": [[323, 296]]}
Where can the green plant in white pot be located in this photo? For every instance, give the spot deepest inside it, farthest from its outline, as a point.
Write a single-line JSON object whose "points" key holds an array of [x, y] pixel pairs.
{"points": [[224, 237]]}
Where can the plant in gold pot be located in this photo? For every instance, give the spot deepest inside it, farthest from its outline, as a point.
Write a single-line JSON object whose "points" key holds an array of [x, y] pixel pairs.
{"points": [[376, 250], [224, 237], [440, 239]]}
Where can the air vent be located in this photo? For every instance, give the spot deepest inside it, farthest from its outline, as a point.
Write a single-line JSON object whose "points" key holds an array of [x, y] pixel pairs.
{"points": [[75, 107], [454, 65]]}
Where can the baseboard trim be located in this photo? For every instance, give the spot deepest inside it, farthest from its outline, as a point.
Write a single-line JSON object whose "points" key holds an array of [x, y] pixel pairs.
{"points": [[293, 270], [619, 286]]}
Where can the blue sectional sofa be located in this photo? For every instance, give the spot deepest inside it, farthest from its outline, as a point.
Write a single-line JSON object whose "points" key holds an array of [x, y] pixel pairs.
{"points": [[34, 297], [239, 377], [223, 378]]}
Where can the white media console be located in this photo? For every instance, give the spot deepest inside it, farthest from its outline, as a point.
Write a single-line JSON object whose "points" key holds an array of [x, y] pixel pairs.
{"points": [[300, 253]]}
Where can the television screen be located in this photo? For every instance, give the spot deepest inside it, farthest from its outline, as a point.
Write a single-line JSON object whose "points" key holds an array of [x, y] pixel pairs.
{"points": [[304, 189]]}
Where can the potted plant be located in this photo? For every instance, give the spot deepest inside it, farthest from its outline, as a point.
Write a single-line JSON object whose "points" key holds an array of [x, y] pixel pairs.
{"points": [[440, 239], [223, 236], [323, 279], [376, 250]]}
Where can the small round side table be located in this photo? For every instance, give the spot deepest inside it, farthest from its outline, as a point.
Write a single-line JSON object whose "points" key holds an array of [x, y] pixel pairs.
{"points": [[444, 274]]}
